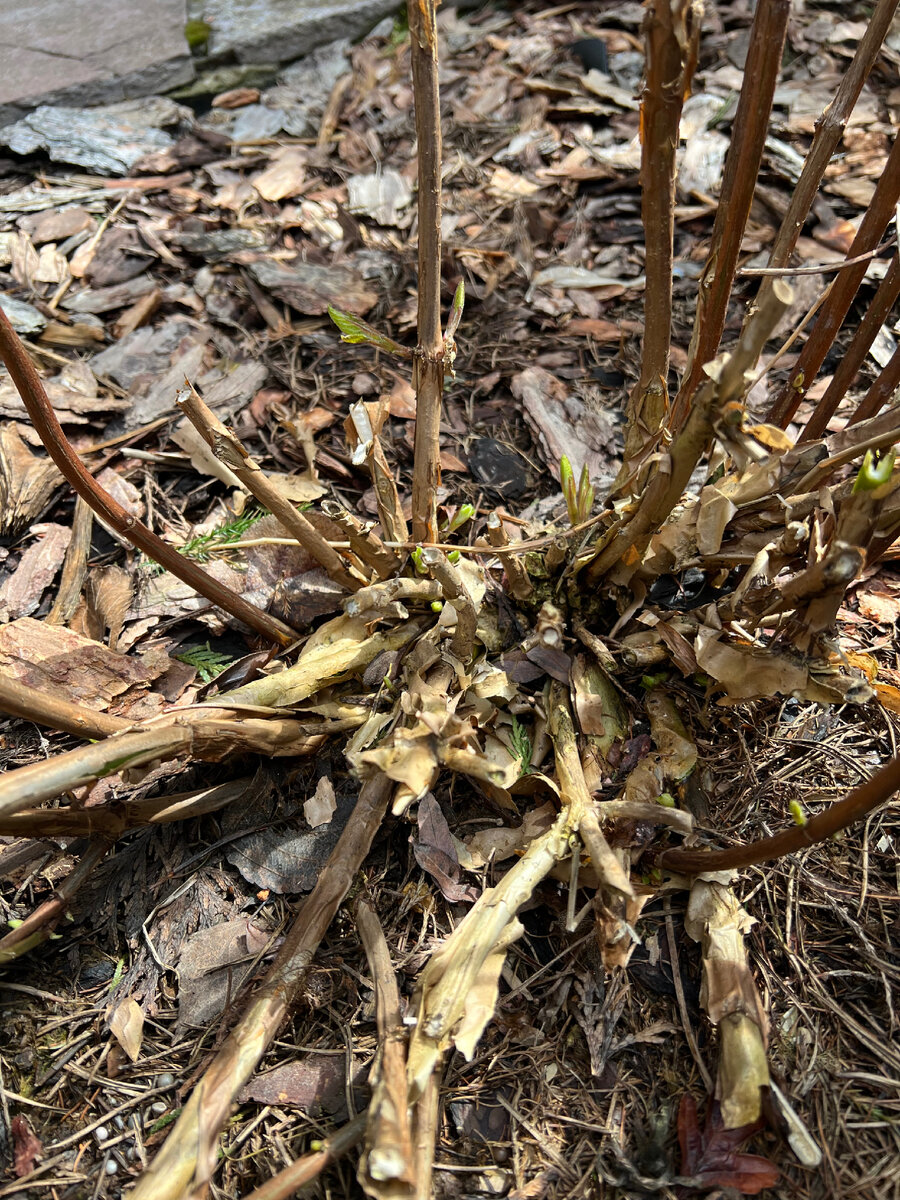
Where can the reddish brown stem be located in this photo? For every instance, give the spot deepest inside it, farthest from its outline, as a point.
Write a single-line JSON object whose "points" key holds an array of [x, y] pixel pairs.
{"points": [[882, 303], [429, 362], [881, 390], [854, 807], [843, 289], [829, 131], [748, 136], [34, 397], [671, 34]]}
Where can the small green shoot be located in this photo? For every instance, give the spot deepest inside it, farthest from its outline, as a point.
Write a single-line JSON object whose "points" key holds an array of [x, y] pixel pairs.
{"points": [[453, 557], [521, 745], [416, 557], [208, 662], [437, 606], [667, 800], [355, 330], [648, 682], [580, 499], [874, 471], [797, 814], [463, 514]]}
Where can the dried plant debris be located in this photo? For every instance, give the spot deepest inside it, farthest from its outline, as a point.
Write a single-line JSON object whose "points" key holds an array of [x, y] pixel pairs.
{"points": [[537, 590]]}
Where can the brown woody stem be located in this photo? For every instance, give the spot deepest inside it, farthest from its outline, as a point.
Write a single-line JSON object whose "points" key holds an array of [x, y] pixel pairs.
{"points": [[34, 397]]}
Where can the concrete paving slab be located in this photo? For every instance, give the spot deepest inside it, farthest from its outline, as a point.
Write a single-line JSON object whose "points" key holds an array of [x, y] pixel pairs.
{"points": [[80, 52]]}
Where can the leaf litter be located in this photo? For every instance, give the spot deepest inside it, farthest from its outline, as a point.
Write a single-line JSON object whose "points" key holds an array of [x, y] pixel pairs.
{"points": [[224, 272]]}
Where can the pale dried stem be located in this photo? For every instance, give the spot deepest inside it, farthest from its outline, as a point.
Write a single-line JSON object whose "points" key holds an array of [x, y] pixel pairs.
{"points": [[364, 542], [386, 1170], [34, 397], [188, 1158], [748, 136], [426, 1123], [462, 643], [20, 700], [429, 359], [519, 582], [228, 450]]}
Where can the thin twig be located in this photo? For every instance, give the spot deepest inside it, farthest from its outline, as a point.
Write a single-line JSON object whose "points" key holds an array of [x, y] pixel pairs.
{"points": [[34, 397], [429, 361], [228, 450], [861, 801], [308, 1168]]}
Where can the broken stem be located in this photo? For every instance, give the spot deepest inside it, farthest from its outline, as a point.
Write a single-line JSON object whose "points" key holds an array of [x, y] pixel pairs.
{"points": [[34, 397]]}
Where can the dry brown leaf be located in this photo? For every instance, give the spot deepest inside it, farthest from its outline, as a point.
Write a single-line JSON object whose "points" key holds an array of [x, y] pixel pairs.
{"points": [[126, 1024], [27, 482], [320, 807]]}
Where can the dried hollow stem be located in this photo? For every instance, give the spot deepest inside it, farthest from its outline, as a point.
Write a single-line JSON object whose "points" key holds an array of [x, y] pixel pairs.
{"points": [[748, 136], [462, 643], [34, 397], [364, 542], [188, 1157], [228, 450], [858, 804], [429, 359], [519, 581], [843, 289], [19, 700]]}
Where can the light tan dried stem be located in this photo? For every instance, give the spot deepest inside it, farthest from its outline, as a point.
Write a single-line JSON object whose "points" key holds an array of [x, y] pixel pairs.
{"points": [[728, 382], [748, 136], [386, 1170], [462, 643], [428, 377], [34, 397], [858, 804], [19, 700], [828, 133], [426, 1126], [112, 821], [671, 37], [519, 582], [228, 450], [74, 565], [204, 732], [37, 927], [184, 1165], [575, 794], [843, 289], [307, 1169], [364, 542], [852, 360]]}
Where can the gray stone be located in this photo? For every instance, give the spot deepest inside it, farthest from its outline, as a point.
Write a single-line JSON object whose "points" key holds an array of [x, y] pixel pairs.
{"points": [[281, 30], [24, 318], [109, 139], [80, 52]]}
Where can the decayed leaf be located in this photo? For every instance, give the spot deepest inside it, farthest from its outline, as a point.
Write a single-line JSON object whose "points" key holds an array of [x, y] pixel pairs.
{"points": [[320, 807], [26, 1147], [126, 1024], [676, 754], [435, 852], [712, 1158]]}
